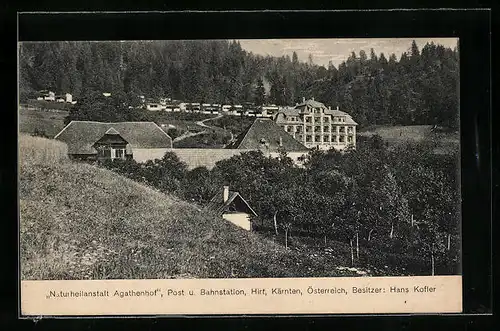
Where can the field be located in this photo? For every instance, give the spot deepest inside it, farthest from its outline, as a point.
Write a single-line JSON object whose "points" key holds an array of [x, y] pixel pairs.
{"points": [[82, 222], [49, 105], [48, 121], [235, 124], [210, 139], [414, 133]]}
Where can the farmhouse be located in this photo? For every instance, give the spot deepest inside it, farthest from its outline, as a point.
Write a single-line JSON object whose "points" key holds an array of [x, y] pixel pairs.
{"points": [[315, 125], [60, 98], [140, 141], [233, 208], [68, 98], [269, 110], [155, 106], [264, 135], [46, 95], [193, 107]]}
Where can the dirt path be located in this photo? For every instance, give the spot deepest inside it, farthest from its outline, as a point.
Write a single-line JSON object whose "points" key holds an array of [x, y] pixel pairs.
{"points": [[188, 134], [202, 123], [199, 123]]}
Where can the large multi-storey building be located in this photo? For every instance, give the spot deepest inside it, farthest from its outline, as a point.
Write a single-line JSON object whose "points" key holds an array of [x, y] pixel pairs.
{"points": [[315, 125]]}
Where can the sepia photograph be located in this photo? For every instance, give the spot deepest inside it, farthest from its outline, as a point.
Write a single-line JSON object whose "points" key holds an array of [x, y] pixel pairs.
{"points": [[244, 158]]}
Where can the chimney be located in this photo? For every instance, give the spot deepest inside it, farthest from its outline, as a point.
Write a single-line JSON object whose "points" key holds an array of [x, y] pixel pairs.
{"points": [[303, 99], [225, 195]]}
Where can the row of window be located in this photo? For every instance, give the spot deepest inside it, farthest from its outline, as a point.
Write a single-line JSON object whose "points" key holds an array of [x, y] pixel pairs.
{"points": [[326, 128], [326, 119], [320, 139], [309, 119], [112, 153]]}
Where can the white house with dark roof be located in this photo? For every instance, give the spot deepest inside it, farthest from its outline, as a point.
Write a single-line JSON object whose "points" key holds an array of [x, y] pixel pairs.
{"points": [[232, 207], [315, 125], [140, 141]]}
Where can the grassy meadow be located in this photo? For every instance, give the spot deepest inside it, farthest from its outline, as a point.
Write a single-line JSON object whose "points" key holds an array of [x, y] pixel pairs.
{"points": [[394, 135], [51, 105], [51, 122], [78, 221]]}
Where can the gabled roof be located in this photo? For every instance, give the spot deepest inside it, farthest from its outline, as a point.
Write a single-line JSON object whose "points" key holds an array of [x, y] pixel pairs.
{"points": [[334, 112], [311, 103], [290, 111], [112, 131], [265, 134], [80, 136], [349, 120], [218, 205]]}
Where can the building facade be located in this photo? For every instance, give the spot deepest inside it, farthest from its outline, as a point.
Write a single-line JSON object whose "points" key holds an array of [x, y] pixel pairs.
{"points": [[141, 141], [316, 126], [266, 136]]}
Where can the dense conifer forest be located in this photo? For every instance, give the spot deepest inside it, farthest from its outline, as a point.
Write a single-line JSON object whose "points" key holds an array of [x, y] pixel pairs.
{"points": [[418, 87]]}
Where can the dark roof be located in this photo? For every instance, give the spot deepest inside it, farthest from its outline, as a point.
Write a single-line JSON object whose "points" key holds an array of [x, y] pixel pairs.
{"points": [[290, 111], [311, 103], [80, 136], [265, 134], [334, 112], [218, 205]]}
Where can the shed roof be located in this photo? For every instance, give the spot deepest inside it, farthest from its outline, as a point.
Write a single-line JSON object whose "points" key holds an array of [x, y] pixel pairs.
{"points": [[218, 205], [265, 134], [80, 136]]}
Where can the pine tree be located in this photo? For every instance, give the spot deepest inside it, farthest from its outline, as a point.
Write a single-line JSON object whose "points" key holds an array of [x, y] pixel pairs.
{"points": [[373, 56], [420, 88], [362, 56], [260, 93]]}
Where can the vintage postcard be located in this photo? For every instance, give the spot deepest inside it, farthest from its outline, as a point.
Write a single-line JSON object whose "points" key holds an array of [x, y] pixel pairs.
{"points": [[226, 177]]}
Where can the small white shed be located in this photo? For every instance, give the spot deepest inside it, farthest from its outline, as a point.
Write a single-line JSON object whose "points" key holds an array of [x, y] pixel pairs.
{"points": [[232, 207]]}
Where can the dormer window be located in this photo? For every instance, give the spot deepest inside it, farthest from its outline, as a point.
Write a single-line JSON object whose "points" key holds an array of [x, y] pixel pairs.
{"points": [[111, 145]]}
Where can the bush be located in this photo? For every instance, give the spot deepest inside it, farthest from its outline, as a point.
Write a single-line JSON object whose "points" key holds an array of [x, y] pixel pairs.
{"points": [[174, 133]]}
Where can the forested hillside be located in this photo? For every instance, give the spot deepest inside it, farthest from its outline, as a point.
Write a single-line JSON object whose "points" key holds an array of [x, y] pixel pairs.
{"points": [[420, 87]]}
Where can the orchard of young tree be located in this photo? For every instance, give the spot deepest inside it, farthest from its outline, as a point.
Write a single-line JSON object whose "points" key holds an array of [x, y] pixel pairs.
{"points": [[419, 87], [402, 202]]}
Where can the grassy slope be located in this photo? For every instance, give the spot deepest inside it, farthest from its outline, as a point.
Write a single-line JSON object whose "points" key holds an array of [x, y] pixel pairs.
{"points": [[49, 104], [413, 133], [79, 221], [51, 122]]}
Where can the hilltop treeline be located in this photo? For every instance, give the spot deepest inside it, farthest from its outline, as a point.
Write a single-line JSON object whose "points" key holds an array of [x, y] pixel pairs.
{"points": [[421, 87], [403, 201]]}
